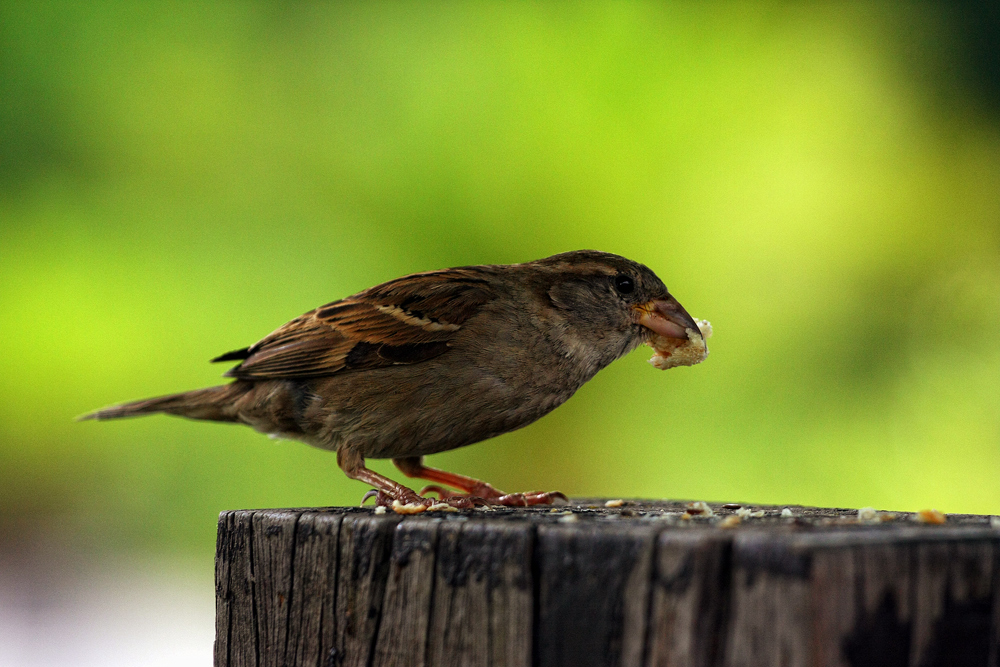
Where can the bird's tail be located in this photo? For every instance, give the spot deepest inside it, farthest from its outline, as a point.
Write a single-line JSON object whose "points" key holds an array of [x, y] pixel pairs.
{"points": [[213, 403]]}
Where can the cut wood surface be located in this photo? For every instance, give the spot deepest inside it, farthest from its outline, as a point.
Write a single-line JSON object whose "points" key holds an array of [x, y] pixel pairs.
{"points": [[649, 583]]}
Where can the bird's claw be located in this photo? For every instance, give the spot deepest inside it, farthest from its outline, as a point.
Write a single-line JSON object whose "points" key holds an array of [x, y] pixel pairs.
{"points": [[531, 498], [453, 498], [553, 496], [493, 497], [382, 499], [415, 504]]}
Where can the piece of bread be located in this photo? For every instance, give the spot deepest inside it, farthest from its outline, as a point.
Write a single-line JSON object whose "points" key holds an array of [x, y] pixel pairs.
{"points": [[671, 352]]}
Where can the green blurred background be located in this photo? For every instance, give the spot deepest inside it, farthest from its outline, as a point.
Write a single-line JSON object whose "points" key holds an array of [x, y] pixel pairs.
{"points": [[822, 182]]}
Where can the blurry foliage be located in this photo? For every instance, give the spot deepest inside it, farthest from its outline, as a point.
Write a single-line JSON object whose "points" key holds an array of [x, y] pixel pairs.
{"points": [[821, 182]]}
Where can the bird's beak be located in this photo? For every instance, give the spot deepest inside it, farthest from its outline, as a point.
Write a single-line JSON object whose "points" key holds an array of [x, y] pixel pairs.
{"points": [[665, 317]]}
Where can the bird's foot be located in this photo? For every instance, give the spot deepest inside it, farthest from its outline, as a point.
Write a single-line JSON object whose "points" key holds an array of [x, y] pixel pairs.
{"points": [[411, 503], [487, 495], [531, 498], [446, 495]]}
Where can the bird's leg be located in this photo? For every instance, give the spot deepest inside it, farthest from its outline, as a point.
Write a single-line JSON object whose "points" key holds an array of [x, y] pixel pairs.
{"points": [[413, 466], [353, 465]]}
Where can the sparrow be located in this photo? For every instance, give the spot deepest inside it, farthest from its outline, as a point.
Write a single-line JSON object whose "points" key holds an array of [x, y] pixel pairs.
{"points": [[434, 361]]}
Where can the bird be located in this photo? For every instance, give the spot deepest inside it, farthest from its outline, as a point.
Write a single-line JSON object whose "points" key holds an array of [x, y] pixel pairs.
{"points": [[433, 361]]}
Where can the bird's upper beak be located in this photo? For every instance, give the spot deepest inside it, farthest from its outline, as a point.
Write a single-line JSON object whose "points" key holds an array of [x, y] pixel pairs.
{"points": [[665, 317]]}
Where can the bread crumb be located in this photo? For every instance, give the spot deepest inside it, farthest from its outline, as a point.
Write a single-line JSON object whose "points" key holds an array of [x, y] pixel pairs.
{"points": [[995, 522], [408, 508], [786, 513], [380, 509], [930, 516], [868, 515], [614, 503], [758, 514], [730, 521], [743, 513], [442, 507], [672, 352], [568, 518], [699, 508]]}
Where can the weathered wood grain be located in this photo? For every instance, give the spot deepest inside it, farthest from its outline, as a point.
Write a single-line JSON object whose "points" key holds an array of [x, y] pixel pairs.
{"points": [[273, 552], [482, 612], [312, 611], [690, 596], [244, 650], [644, 584], [909, 596], [224, 553], [402, 634], [511, 592], [362, 572], [594, 593]]}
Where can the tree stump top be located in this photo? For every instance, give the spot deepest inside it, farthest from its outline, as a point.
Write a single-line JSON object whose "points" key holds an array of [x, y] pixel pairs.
{"points": [[643, 583]]}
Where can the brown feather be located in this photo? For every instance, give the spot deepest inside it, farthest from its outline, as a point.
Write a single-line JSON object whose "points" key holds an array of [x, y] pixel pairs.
{"points": [[404, 321]]}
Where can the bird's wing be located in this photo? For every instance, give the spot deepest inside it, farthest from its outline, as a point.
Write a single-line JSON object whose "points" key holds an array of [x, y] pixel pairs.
{"points": [[404, 321]]}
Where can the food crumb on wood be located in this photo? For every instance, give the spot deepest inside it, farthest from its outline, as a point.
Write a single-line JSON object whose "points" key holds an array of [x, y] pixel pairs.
{"points": [[618, 502], [408, 508], [442, 507], [380, 509], [868, 515], [699, 508], [786, 513], [932, 516], [568, 518], [730, 521], [758, 514], [743, 513]]}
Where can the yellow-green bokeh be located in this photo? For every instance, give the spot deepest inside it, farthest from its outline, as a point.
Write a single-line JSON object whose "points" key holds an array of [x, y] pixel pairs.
{"points": [[178, 180]]}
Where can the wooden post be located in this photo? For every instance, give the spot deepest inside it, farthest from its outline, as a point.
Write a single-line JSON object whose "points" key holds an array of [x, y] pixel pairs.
{"points": [[646, 584]]}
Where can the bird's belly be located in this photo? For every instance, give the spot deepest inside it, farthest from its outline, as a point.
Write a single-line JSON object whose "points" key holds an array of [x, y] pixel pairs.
{"points": [[436, 414]]}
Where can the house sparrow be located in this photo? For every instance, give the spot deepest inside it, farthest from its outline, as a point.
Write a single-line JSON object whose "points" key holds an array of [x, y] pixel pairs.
{"points": [[434, 361]]}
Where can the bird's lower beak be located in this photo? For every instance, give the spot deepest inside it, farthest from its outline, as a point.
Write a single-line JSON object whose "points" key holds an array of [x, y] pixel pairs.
{"points": [[665, 317]]}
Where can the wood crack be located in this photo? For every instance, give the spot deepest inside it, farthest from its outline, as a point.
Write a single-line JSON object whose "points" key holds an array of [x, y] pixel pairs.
{"points": [[291, 588]]}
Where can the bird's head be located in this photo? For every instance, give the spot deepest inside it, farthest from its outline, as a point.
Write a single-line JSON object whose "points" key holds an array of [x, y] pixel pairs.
{"points": [[612, 302]]}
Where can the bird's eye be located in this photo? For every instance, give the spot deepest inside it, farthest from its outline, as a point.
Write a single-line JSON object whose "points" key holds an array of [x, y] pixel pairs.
{"points": [[624, 284]]}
